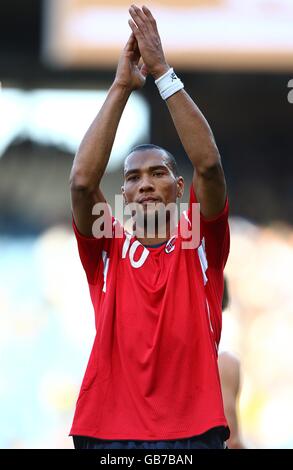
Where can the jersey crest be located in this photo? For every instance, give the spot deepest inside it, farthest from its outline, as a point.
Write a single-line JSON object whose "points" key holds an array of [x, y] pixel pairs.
{"points": [[170, 245]]}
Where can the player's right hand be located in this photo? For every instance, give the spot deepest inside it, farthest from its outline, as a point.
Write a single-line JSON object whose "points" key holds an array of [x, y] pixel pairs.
{"points": [[130, 74]]}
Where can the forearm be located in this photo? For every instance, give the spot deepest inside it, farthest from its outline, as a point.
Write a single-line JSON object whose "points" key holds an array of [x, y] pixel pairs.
{"points": [[94, 151], [192, 128], [194, 132]]}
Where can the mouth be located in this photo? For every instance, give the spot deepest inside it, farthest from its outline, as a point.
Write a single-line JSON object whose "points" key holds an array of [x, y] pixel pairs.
{"points": [[148, 200]]}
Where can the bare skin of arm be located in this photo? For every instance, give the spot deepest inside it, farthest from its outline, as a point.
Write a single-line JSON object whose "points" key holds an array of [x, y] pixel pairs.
{"points": [[93, 154], [193, 129], [229, 369]]}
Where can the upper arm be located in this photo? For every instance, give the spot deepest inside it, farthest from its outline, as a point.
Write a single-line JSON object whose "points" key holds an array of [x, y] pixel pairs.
{"points": [[90, 246], [210, 189], [82, 203]]}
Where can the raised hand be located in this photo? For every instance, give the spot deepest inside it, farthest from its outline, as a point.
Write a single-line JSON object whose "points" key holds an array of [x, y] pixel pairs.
{"points": [[144, 28], [130, 74]]}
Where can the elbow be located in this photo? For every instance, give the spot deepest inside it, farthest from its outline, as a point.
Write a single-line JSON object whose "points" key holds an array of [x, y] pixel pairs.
{"points": [[208, 162], [210, 170], [80, 181], [77, 182]]}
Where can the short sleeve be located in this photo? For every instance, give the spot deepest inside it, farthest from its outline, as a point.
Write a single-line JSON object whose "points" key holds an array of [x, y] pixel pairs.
{"points": [[90, 252], [214, 235]]}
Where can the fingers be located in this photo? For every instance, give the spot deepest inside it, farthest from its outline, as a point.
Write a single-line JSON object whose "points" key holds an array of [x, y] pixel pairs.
{"points": [[133, 27], [148, 13], [130, 43], [137, 13], [136, 52], [137, 18], [142, 17], [135, 30]]}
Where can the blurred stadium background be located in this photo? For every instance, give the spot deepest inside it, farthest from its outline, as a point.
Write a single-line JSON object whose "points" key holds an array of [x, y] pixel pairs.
{"points": [[57, 59]]}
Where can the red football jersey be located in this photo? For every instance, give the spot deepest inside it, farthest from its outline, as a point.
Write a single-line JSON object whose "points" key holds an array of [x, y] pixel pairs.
{"points": [[152, 372]]}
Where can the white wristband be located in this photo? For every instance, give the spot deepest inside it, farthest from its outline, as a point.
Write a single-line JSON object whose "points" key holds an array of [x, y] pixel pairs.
{"points": [[168, 84]]}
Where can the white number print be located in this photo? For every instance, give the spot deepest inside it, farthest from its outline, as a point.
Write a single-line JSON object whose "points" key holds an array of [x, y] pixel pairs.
{"points": [[134, 246], [106, 267], [125, 250]]}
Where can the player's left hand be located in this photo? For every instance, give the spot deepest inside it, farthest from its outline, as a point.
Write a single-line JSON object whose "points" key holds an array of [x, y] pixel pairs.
{"points": [[130, 74], [144, 28]]}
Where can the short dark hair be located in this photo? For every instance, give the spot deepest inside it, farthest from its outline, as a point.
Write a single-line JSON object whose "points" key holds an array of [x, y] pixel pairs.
{"points": [[171, 159]]}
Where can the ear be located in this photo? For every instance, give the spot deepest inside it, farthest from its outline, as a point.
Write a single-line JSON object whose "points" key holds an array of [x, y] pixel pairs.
{"points": [[123, 194], [180, 186]]}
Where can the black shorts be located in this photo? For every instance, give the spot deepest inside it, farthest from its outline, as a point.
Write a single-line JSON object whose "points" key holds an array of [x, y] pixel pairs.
{"points": [[212, 439]]}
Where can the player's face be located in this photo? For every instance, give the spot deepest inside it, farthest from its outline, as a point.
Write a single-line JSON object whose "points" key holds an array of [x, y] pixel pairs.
{"points": [[148, 179]]}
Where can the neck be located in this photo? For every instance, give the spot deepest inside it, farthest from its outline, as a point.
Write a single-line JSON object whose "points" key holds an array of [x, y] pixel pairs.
{"points": [[152, 241], [146, 238]]}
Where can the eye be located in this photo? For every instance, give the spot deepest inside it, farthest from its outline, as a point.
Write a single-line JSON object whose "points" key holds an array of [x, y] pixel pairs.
{"points": [[132, 178], [158, 173]]}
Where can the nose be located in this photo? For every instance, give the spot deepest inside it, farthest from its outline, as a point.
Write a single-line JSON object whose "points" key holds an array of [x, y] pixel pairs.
{"points": [[146, 185]]}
